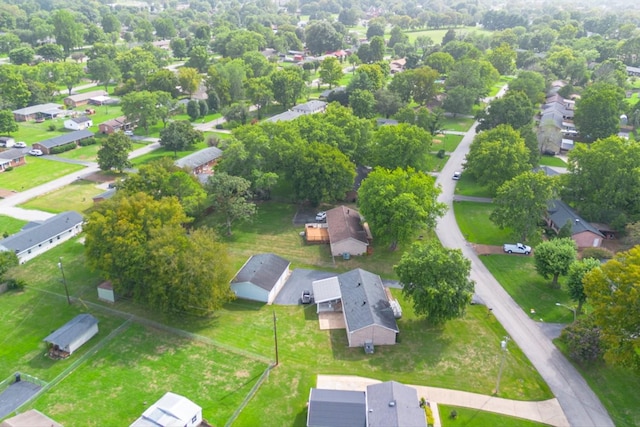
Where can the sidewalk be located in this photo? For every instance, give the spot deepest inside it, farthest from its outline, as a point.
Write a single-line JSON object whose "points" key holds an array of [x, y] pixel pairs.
{"points": [[547, 411]]}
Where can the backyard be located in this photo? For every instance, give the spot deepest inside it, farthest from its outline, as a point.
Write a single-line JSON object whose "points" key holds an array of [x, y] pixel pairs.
{"points": [[77, 196]]}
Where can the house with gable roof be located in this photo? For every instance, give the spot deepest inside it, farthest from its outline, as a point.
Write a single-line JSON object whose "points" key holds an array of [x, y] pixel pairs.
{"points": [[583, 232], [347, 232], [202, 161], [171, 410], [261, 278]]}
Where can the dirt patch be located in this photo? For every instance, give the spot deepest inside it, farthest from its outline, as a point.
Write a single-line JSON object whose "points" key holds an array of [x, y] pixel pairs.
{"points": [[99, 177], [487, 249], [4, 193]]}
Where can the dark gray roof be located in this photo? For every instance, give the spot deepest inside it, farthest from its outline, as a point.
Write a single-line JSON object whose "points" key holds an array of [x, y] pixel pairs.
{"points": [[263, 270], [391, 404], [382, 122], [559, 213], [199, 158], [344, 223], [69, 332], [326, 93], [548, 171], [364, 301], [13, 153], [310, 106], [81, 119], [107, 194], [336, 408], [29, 237], [66, 138], [286, 116], [42, 108]]}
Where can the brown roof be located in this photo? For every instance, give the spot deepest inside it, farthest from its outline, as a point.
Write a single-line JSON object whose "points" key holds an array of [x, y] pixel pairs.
{"points": [[106, 285], [344, 223]]}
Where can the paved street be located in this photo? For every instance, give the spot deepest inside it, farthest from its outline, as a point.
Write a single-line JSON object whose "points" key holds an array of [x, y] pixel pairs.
{"points": [[581, 406]]}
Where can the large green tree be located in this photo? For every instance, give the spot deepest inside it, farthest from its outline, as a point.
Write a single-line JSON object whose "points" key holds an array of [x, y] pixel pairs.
{"points": [[230, 197], [330, 71], [189, 79], [436, 279], [8, 124], [554, 257], [531, 83], [67, 30], [322, 37], [404, 145], [114, 152], [575, 283], [513, 109], [496, 156], [180, 135], [141, 108], [598, 110], [613, 291], [287, 86], [103, 70], [521, 202], [397, 203]]}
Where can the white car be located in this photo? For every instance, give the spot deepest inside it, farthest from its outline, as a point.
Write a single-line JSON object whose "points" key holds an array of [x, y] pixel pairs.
{"points": [[36, 152], [456, 175], [20, 144], [128, 132], [321, 216]]}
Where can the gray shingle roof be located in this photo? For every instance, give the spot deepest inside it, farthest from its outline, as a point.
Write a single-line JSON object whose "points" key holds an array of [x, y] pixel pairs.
{"points": [[364, 301], [86, 95], [560, 213], [263, 270], [285, 117], [326, 290], [199, 158], [37, 109], [310, 106], [391, 404], [70, 331], [66, 138], [81, 119], [343, 223], [13, 153], [336, 408], [31, 236]]}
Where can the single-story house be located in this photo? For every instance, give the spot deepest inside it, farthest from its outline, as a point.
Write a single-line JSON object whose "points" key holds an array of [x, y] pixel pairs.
{"points": [[285, 116], [347, 233], [74, 101], [367, 308], [633, 71], [310, 107], [42, 111], [30, 418], [106, 292], [105, 196], [201, 161], [387, 404], [68, 138], [78, 123], [582, 232], [72, 335], [114, 125], [36, 238], [386, 122], [171, 410], [397, 65], [12, 158], [261, 278]]}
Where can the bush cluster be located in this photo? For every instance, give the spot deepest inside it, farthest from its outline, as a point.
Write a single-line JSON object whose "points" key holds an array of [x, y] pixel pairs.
{"points": [[63, 148], [88, 141], [583, 341]]}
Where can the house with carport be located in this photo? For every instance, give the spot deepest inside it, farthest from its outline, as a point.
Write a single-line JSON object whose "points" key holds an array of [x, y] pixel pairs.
{"points": [[261, 278], [72, 335], [77, 100], [583, 232], [40, 112], [348, 233], [368, 309], [68, 138], [115, 125], [12, 158], [200, 162], [36, 238], [171, 410]]}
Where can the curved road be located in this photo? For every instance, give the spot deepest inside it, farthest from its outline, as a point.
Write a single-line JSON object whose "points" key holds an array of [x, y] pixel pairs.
{"points": [[580, 405]]}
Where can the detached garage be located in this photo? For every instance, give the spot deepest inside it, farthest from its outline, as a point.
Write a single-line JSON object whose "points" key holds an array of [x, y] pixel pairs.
{"points": [[70, 337], [261, 278]]}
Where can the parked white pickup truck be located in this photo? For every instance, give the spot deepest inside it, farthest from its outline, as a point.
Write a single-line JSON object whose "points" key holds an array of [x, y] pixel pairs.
{"points": [[518, 248]]}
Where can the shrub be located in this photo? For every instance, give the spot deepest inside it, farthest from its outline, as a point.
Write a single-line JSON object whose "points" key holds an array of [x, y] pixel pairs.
{"points": [[440, 154], [16, 284], [63, 148], [597, 253], [219, 126], [88, 141], [213, 141], [583, 341], [51, 127], [8, 169]]}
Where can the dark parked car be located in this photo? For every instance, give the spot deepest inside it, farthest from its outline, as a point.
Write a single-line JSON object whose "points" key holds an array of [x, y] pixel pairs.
{"points": [[306, 297]]}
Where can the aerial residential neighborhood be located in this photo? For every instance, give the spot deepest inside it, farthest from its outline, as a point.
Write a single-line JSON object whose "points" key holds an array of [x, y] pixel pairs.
{"points": [[319, 214]]}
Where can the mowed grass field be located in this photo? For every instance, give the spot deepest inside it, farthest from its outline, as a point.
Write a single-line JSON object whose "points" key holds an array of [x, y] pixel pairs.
{"points": [[77, 196], [37, 171], [475, 225], [10, 225]]}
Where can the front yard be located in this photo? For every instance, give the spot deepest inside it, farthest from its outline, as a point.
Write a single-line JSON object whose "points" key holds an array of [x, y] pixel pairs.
{"points": [[37, 171]]}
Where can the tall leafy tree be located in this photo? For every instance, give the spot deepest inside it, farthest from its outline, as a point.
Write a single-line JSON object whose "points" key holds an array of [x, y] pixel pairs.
{"points": [[330, 71], [436, 279], [103, 70], [189, 79], [322, 37], [513, 109], [114, 152], [179, 136], [387, 102], [70, 74], [531, 83], [230, 196], [521, 202], [613, 292], [598, 110], [67, 30], [575, 282], [362, 103], [287, 86], [141, 107], [260, 92], [401, 146], [459, 100], [554, 257], [8, 124], [398, 202], [424, 86]]}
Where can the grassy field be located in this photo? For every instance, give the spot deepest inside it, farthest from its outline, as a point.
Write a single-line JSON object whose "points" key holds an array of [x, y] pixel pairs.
{"points": [[466, 186], [162, 152], [446, 142], [438, 35], [475, 225], [459, 124], [89, 153], [617, 389], [499, 85], [37, 171], [9, 225], [468, 417], [552, 161], [518, 276], [78, 197]]}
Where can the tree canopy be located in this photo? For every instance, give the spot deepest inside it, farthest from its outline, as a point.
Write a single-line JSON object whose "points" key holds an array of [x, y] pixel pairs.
{"points": [[598, 110], [554, 257], [114, 153], [436, 279]]}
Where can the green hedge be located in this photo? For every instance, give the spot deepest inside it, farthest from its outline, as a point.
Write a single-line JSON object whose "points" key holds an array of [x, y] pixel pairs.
{"points": [[63, 148], [88, 141]]}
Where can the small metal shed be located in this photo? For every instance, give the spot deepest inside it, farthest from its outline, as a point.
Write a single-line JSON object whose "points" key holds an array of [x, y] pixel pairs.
{"points": [[68, 338]]}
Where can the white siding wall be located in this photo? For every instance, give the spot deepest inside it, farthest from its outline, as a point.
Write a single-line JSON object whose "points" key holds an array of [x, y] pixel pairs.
{"points": [[250, 291], [352, 246], [279, 284], [106, 295], [42, 247], [82, 339], [196, 420], [379, 335]]}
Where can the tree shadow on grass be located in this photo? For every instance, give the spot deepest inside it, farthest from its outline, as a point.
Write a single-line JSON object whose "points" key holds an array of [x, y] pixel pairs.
{"points": [[301, 419]]}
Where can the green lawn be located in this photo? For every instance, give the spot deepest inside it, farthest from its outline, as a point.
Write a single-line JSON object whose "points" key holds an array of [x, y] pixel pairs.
{"points": [[37, 171], [31, 132], [468, 417], [78, 197], [162, 152], [552, 161], [438, 35], [617, 389], [459, 124], [9, 225], [475, 225], [446, 142], [467, 186], [499, 85], [89, 153], [518, 276]]}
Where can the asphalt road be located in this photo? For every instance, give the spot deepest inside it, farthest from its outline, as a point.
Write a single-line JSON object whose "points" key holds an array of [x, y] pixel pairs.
{"points": [[580, 405]]}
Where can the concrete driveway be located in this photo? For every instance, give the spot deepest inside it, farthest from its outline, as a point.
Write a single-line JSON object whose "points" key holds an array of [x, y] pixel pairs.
{"points": [[300, 280]]}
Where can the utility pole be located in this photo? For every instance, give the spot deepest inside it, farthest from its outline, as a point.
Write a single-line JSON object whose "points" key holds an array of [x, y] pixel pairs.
{"points": [[275, 335], [503, 348], [64, 280]]}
